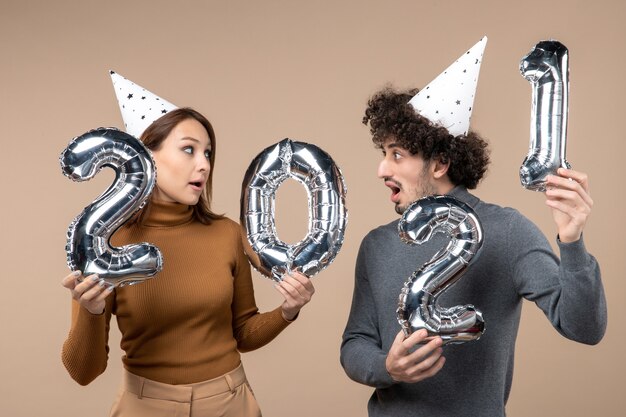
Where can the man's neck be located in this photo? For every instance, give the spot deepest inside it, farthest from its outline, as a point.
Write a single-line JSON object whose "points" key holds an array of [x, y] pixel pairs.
{"points": [[444, 186]]}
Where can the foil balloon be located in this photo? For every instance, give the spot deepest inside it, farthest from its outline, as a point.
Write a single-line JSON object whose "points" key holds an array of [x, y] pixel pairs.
{"points": [[326, 191], [546, 67], [88, 248], [418, 307]]}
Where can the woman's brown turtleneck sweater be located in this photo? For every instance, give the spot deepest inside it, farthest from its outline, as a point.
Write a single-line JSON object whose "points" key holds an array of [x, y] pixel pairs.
{"points": [[189, 322]]}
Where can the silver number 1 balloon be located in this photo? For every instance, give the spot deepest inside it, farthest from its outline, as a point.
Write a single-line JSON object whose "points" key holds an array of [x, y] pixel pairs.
{"points": [[546, 67], [417, 307], [326, 191], [88, 248]]}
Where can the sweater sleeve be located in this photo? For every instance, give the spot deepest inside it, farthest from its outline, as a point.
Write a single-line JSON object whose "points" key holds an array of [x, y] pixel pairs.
{"points": [[251, 329], [362, 356], [569, 291], [86, 350]]}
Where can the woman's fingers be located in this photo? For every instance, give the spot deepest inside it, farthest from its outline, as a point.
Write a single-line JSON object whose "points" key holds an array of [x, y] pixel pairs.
{"points": [[297, 291], [96, 290], [70, 280], [84, 285], [298, 285], [90, 292]]}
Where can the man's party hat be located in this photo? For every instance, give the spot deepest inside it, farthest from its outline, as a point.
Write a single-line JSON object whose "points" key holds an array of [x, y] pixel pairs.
{"points": [[449, 98]]}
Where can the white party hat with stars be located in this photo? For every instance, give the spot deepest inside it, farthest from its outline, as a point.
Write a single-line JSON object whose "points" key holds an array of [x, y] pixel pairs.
{"points": [[449, 98], [139, 106]]}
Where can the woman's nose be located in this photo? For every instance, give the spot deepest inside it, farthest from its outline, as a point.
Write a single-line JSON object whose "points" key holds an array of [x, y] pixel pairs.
{"points": [[204, 164]]}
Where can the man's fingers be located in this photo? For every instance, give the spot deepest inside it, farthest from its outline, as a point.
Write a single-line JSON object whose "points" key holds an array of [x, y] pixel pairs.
{"points": [[431, 371], [580, 177], [415, 338], [413, 366], [570, 179], [571, 192], [425, 351], [424, 362]]}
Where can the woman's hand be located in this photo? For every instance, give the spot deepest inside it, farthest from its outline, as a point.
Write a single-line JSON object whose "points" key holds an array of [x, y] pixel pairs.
{"points": [[297, 290], [90, 292]]}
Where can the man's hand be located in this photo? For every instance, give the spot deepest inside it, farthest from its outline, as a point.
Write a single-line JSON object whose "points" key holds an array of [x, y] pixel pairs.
{"points": [[406, 366], [567, 194]]}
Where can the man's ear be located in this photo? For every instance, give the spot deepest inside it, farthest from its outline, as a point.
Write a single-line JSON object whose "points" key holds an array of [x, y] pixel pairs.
{"points": [[439, 167]]}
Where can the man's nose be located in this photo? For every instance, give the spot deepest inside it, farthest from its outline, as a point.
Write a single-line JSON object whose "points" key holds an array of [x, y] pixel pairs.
{"points": [[383, 169]]}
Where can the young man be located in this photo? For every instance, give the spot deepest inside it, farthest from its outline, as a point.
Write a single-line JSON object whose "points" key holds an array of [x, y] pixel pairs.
{"points": [[417, 377]]}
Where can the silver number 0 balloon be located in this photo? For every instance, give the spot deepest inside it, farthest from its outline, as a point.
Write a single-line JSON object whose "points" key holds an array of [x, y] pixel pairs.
{"points": [[546, 67], [417, 307], [326, 192], [88, 248]]}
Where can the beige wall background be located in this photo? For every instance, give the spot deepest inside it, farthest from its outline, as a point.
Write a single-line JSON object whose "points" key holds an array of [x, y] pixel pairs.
{"points": [[263, 71]]}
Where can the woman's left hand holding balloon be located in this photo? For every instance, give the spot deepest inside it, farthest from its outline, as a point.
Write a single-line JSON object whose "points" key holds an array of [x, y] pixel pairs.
{"points": [[568, 195], [90, 292], [297, 291]]}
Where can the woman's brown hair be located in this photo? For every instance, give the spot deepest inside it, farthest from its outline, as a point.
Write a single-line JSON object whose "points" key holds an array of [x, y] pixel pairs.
{"points": [[154, 136]]}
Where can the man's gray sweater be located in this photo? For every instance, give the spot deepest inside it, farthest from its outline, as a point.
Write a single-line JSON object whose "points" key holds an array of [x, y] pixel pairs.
{"points": [[516, 262]]}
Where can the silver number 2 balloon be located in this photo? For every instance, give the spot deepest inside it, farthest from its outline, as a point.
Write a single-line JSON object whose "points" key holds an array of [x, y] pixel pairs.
{"points": [[326, 192], [88, 248], [417, 307], [546, 67]]}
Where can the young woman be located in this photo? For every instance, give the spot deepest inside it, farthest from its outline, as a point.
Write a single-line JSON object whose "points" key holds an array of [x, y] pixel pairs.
{"points": [[182, 331]]}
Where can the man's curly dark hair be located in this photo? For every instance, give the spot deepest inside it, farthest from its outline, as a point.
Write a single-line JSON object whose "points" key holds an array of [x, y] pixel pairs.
{"points": [[389, 114]]}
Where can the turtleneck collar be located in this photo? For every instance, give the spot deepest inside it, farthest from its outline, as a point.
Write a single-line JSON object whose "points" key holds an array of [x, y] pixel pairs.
{"points": [[462, 194], [165, 214]]}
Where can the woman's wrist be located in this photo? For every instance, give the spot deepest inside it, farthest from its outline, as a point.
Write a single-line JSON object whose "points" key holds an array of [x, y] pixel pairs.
{"points": [[289, 317]]}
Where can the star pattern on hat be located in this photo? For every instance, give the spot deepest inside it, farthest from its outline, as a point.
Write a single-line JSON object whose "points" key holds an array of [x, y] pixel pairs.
{"points": [[455, 85], [138, 114]]}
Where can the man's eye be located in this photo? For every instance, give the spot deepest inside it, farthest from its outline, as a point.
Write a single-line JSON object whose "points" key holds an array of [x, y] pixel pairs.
{"points": [[396, 155]]}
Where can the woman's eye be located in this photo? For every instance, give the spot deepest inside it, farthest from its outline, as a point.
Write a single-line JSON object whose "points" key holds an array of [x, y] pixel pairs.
{"points": [[188, 149], [207, 154]]}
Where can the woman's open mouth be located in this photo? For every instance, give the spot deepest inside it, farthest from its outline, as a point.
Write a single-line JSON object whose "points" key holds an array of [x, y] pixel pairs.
{"points": [[196, 185]]}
